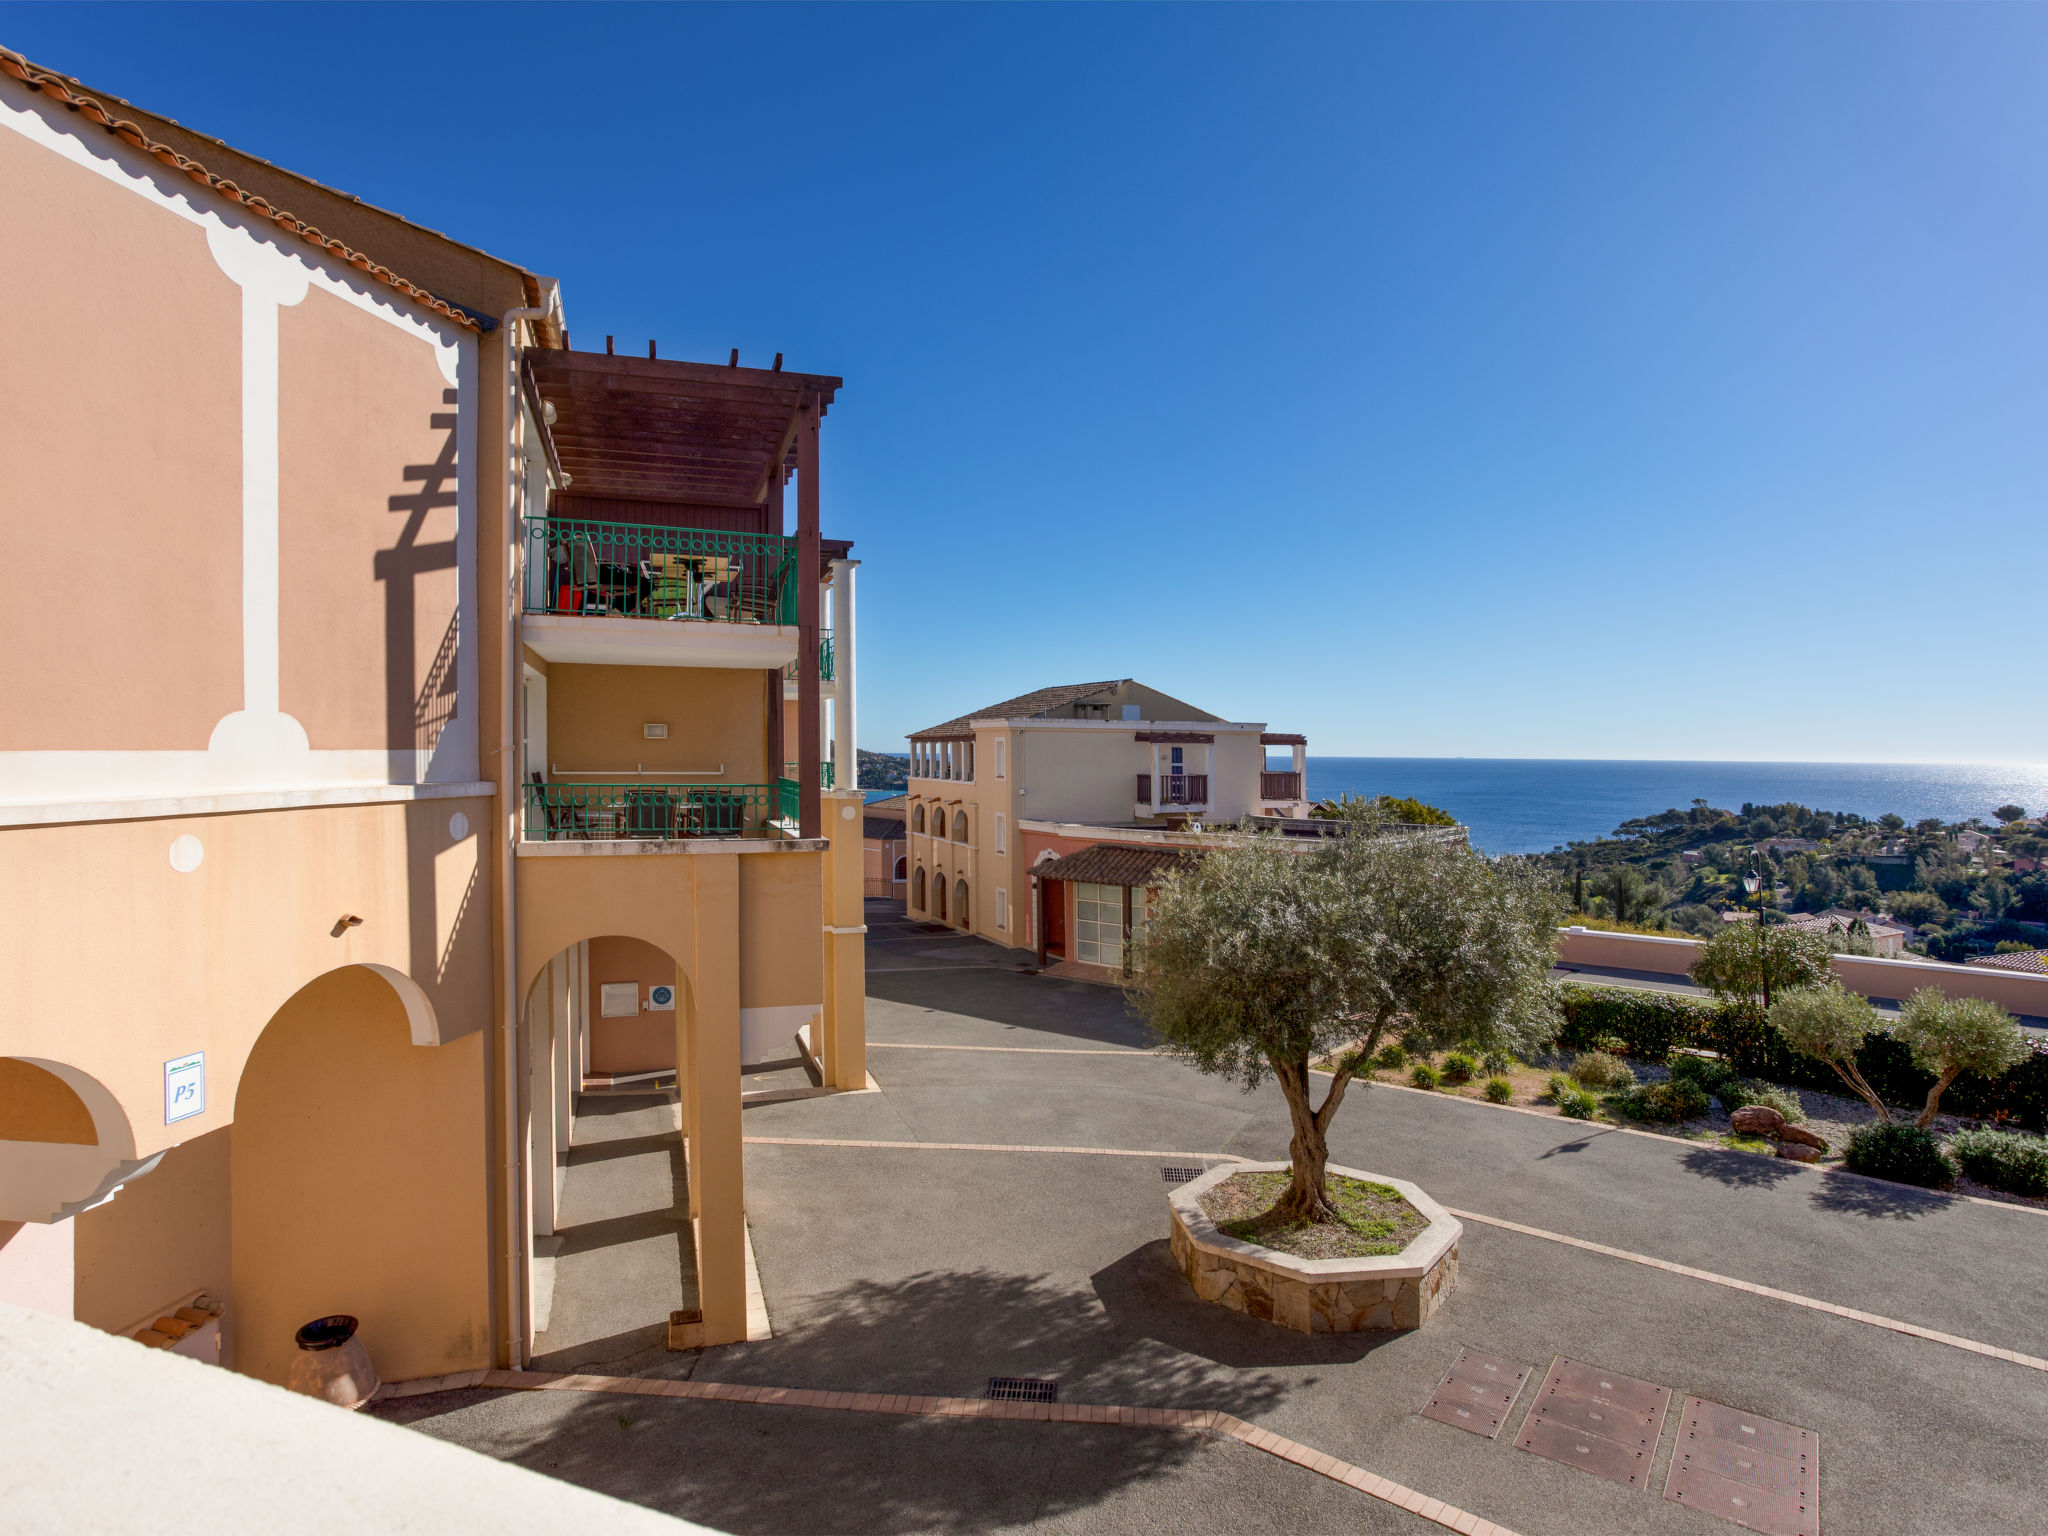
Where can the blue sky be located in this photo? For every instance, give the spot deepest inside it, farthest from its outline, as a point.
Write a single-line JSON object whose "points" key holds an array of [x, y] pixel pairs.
{"points": [[1518, 381]]}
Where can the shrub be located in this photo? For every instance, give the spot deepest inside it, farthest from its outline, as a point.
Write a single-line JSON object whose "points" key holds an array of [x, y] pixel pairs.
{"points": [[1459, 1067], [1906, 1154], [1499, 1091], [1710, 1072], [1423, 1075], [1573, 1102], [2015, 1164], [1497, 1062], [1662, 1103], [1645, 1025], [1391, 1058], [1738, 1092], [1597, 1069]]}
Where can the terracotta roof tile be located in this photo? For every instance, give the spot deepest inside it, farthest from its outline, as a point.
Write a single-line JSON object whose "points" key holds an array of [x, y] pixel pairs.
{"points": [[93, 110], [2033, 962], [1024, 707], [1118, 864]]}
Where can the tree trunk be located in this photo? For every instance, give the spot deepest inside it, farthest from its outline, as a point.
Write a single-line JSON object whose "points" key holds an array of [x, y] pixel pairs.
{"points": [[1934, 1096], [1849, 1074], [1308, 1152]]}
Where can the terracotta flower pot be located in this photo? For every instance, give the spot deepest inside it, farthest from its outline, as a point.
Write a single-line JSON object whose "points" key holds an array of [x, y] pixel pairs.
{"points": [[332, 1364]]}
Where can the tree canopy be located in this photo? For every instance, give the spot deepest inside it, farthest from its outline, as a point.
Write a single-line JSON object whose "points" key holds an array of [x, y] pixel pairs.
{"points": [[1953, 1035], [1829, 1023], [1749, 966]]}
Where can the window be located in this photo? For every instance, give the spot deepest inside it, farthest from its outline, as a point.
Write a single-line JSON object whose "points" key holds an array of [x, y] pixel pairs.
{"points": [[960, 903], [1000, 745], [1099, 924], [917, 891], [1002, 909], [899, 868], [1001, 825], [959, 826]]}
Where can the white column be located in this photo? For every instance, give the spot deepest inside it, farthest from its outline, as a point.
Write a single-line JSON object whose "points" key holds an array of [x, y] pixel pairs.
{"points": [[845, 734]]}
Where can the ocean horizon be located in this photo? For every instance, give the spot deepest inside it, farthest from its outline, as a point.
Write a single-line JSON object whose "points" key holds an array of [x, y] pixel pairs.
{"points": [[1532, 805]]}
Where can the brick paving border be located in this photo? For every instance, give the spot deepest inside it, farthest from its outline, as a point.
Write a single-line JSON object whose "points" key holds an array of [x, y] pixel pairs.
{"points": [[1200, 1420]]}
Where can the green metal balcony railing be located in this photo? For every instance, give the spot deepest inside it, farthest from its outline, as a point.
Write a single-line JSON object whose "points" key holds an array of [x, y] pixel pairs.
{"points": [[607, 812], [824, 659], [824, 773], [579, 565]]}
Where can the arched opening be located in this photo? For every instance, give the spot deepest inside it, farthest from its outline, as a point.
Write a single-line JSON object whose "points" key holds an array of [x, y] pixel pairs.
{"points": [[900, 865], [358, 1180], [960, 902], [939, 897], [917, 890], [917, 818], [959, 826]]}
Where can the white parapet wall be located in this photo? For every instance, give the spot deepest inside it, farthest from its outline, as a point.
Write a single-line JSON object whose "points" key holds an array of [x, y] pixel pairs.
{"points": [[1869, 975]]}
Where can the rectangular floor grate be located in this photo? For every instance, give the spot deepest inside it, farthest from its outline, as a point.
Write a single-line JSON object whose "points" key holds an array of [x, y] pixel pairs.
{"points": [[1477, 1392], [1599, 1421], [1175, 1173], [1023, 1389], [1749, 1470]]}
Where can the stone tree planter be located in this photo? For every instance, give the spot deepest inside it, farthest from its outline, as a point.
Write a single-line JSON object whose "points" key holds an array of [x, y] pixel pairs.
{"points": [[1399, 1290]]}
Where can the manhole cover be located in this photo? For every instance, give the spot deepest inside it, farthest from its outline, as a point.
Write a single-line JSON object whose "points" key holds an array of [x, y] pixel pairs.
{"points": [[1477, 1392], [1175, 1173], [1023, 1389], [1600, 1421], [1755, 1472]]}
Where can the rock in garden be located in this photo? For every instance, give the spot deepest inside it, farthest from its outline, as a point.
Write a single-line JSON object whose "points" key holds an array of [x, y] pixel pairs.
{"points": [[1799, 1151], [1758, 1120], [1801, 1135]]}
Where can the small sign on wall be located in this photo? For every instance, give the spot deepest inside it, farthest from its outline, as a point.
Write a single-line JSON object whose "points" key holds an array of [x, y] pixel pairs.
{"points": [[619, 1000], [185, 1087], [661, 999]]}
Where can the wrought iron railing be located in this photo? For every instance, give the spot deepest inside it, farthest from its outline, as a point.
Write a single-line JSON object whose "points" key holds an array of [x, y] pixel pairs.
{"points": [[607, 812], [825, 659], [579, 565], [824, 773]]}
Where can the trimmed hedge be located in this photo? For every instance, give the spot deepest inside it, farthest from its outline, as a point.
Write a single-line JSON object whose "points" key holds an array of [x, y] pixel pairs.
{"points": [[1653, 1023], [2016, 1164], [1904, 1154]]}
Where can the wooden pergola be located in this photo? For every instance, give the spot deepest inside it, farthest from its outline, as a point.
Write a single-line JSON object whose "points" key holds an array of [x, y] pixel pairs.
{"points": [[696, 444]]}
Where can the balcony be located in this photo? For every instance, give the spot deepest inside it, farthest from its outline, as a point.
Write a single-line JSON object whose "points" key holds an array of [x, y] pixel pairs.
{"points": [[648, 594], [1279, 786], [659, 812], [1183, 789], [789, 672]]}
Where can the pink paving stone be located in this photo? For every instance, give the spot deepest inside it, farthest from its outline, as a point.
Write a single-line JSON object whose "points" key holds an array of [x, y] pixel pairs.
{"points": [[1413, 1502], [1464, 1523], [1430, 1509]]}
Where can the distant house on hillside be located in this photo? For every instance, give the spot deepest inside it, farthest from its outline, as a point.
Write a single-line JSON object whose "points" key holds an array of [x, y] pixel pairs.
{"points": [[1788, 845], [1888, 938]]}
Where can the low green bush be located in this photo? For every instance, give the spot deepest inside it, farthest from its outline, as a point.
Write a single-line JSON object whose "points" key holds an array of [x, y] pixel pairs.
{"points": [[1906, 1154], [2016, 1164], [1390, 1058], [1573, 1102], [1710, 1072], [1497, 1062], [1645, 1025], [1739, 1092], [1423, 1075], [1459, 1067], [1598, 1069], [1499, 1090], [1661, 1103]]}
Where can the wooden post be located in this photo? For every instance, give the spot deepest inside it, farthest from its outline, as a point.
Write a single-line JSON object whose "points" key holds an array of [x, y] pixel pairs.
{"points": [[809, 728], [1044, 906]]}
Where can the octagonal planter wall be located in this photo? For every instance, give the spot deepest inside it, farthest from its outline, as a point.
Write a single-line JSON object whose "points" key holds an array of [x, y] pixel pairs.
{"points": [[1400, 1290]]}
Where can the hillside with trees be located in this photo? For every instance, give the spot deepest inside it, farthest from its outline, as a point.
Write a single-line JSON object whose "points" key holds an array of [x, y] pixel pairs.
{"points": [[1968, 887]]}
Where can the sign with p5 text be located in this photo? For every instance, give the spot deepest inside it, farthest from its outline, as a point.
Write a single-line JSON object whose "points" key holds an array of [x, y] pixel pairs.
{"points": [[185, 1087]]}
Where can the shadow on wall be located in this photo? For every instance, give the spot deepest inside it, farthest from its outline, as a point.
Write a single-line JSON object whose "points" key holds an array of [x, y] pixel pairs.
{"points": [[941, 1333], [417, 710]]}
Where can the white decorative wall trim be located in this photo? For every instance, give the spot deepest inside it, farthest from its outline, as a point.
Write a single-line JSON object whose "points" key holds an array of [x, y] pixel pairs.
{"points": [[52, 812]]}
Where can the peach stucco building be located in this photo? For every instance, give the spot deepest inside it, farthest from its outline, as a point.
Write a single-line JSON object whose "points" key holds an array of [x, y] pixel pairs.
{"points": [[412, 717], [995, 792]]}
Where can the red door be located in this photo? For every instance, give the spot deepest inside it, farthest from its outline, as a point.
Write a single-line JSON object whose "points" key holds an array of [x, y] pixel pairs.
{"points": [[1054, 896]]}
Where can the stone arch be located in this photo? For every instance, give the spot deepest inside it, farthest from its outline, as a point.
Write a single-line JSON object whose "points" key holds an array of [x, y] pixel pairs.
{"points": [[917, 889], [959, 826], [917, 818], [65, 1142], [960, 911], [901, 865]]}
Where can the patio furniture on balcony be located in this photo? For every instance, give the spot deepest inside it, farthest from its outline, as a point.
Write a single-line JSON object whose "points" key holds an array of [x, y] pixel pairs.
{"points": [[609, 812], [648, 570]]}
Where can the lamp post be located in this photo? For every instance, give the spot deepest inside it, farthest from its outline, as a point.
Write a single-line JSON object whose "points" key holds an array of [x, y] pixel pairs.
{"points": [[1753, 882]]}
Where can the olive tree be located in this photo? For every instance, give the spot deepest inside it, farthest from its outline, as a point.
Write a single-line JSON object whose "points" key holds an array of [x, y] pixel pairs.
{"points": [[1274, 952], [1953, 1035], [1829, 1023], [1747, 964]]}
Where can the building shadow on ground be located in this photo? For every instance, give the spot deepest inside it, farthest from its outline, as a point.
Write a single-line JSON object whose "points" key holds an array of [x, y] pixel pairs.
{"points": [[1852, 1194], [1041, 1003], [1737, 1169]]}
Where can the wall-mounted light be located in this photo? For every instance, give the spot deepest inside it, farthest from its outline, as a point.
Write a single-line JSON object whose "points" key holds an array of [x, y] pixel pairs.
{"points": [[547, 412]]}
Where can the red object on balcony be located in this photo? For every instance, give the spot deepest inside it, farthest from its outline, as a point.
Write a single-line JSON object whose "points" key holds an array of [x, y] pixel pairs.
{"points": [[1285, 785]]}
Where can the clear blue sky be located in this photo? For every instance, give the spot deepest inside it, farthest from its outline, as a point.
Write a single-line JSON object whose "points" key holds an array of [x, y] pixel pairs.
{"points": [[1519, 381]]}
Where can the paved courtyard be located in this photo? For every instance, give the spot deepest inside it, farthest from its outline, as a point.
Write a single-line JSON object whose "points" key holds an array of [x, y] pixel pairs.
{"points": [[926, 1269]]}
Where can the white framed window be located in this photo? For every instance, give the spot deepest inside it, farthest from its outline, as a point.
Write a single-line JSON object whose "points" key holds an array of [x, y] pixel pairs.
{"points": [[1002, 909], [1001, 755], [1002, 827], [1099, 924]]}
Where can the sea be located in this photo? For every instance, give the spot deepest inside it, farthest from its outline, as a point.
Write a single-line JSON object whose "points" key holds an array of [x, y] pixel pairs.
{"points": [[1532, 805]]}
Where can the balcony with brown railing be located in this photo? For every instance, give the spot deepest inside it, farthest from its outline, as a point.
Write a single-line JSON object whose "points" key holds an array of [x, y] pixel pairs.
{"points": [[1183, 789], [1279, 786]]}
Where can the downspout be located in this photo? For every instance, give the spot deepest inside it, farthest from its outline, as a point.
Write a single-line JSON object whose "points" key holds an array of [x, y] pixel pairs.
{"points": [[508, 829]]}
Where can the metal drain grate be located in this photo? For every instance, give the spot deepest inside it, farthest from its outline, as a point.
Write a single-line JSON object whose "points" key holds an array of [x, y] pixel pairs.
{"points": [[1023, 1389], [1175, 1173]]}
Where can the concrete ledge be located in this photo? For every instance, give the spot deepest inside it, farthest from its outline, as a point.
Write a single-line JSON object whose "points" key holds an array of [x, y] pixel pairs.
{"points": [[1399, 1290]]}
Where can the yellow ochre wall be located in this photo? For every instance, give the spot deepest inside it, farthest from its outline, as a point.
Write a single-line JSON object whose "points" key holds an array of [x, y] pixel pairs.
{"points": [[714, 717], [646, 1042], [359, 1179], [160, 1239]]}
